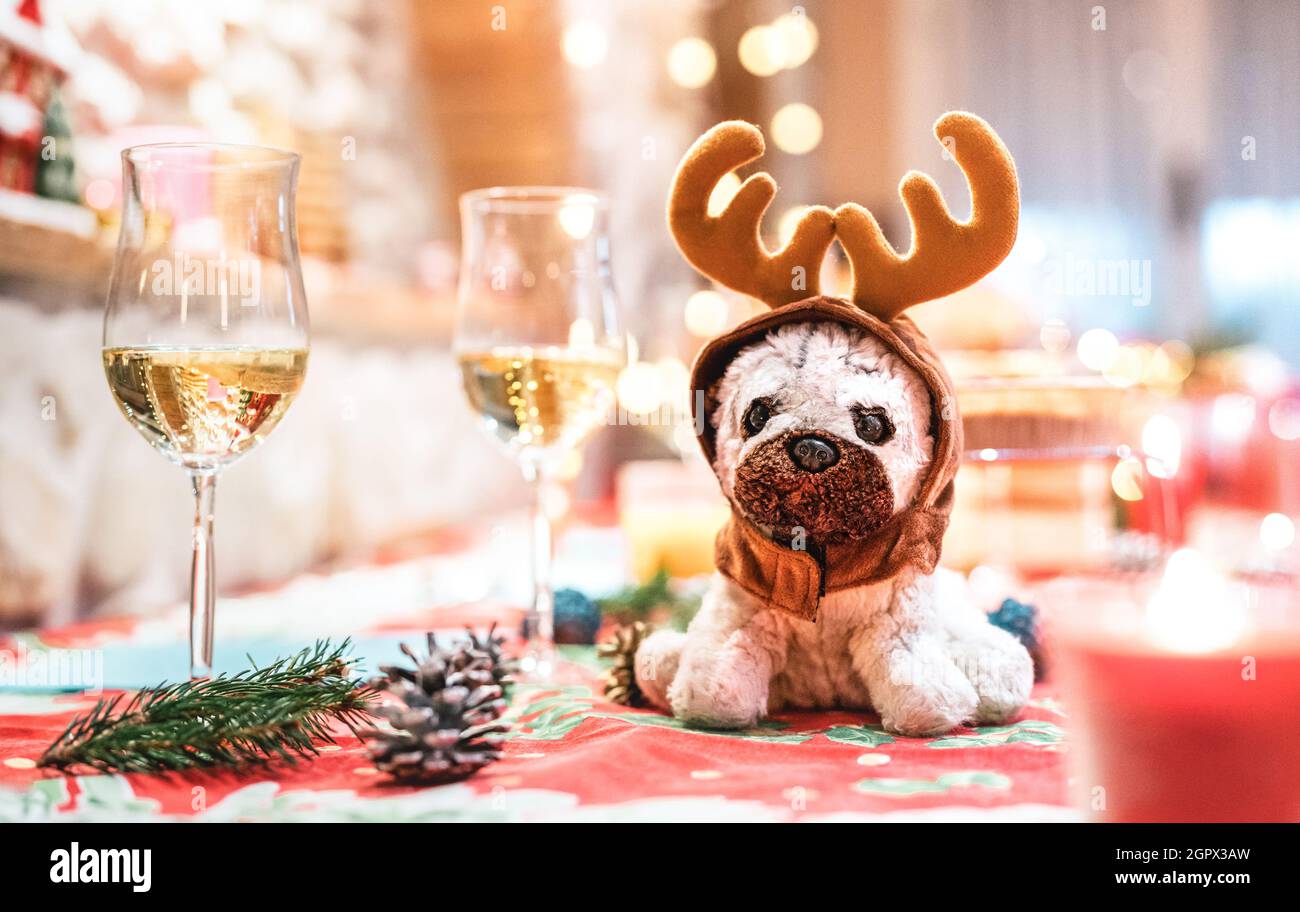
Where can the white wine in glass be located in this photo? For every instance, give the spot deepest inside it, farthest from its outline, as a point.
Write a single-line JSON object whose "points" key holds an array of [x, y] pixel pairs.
{"points": [[539, 346], [205, 329], [204, 406], [543, 399]]}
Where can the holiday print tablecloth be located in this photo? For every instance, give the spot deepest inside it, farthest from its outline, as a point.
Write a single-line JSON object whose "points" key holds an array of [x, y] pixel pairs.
{"points": [[571, 755]]}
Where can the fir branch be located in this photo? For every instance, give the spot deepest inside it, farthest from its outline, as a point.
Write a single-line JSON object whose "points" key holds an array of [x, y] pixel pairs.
{"points": [[280, 711]]}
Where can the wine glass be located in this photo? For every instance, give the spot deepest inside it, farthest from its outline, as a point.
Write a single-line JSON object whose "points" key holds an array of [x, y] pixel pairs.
{"points": [[539, 346], [205, 329]]}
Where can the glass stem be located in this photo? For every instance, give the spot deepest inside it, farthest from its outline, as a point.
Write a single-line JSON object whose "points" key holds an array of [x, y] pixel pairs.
{"points": [[540, 622], [203, 593]]}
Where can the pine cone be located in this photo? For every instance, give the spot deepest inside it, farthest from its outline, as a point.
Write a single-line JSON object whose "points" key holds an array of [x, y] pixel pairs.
{"points": [[620, 678], [489, 647], [445, 722]]}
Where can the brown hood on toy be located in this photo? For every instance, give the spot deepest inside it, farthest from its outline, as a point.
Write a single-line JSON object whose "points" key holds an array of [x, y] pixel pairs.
{"points": [[794, 581]]}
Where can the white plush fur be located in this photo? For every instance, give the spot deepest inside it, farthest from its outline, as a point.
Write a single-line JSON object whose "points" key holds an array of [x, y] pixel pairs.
{"points": [[912, 647]]}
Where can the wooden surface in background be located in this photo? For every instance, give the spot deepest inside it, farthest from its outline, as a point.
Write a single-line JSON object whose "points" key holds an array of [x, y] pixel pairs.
{"points": [[50, 241], [500, 105]]}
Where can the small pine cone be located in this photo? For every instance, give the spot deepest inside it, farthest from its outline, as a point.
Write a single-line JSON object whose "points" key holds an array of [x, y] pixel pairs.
{"points": [[444, 722], [620, 678], [488, 647]]}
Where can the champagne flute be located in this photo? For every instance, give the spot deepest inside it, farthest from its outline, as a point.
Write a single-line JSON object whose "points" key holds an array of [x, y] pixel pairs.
{"points": [[539, 346], [205, 329]]}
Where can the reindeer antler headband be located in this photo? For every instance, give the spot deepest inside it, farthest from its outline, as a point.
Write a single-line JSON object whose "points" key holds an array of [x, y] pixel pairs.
{"points": [[946, 255]]}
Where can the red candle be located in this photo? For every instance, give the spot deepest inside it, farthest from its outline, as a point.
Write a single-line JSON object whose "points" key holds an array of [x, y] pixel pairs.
{"points": [[1184, 696]]}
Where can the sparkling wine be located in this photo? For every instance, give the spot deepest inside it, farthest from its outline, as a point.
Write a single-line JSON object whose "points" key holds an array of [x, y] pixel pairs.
{"points": [[204, 407], [543, 398]]}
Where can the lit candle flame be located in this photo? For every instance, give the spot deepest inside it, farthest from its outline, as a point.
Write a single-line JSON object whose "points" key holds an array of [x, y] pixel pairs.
{"points": [[1195, 609]]}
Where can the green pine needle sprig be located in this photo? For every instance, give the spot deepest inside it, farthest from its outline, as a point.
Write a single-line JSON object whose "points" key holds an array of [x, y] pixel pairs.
{"points": [[278, 712]]}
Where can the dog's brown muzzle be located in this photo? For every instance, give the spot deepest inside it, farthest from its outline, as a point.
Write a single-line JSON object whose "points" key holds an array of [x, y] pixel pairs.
{"points": [[816, 482]]}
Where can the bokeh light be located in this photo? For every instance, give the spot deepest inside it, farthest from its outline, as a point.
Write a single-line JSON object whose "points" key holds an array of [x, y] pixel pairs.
{"points": [[577, 219], [1128, 367], [1171, 363], [722, 193], [1277, 532], [640, 388], [100, 194], [796, 128], [1097, 349], [585, 44], [788, 222], [1232, 416], [706, 314], [762, 50], [692, 63], [1162, 443], [1126, 479], [1284, 419], [798, 37], [582, 334]]}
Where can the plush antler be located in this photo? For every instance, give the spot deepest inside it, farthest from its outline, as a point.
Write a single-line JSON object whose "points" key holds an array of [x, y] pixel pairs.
{"points": [[727, 248], [946, 255]]}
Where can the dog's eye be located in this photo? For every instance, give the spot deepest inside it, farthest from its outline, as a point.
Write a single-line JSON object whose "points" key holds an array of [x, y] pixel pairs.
{"points": [[873, 425], [757, 416]]}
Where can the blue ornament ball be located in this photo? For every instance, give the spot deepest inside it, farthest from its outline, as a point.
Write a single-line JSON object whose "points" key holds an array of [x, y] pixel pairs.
{"points": [[577, 618], [1018, 619]]}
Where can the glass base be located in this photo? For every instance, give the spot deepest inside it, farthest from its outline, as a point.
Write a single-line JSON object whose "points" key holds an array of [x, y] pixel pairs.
{"points": [[536, 663]]}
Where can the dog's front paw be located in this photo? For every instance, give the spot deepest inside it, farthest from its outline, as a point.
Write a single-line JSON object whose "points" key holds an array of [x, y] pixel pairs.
{"points": [[707, 700], [1000, 669], [926, 695]]}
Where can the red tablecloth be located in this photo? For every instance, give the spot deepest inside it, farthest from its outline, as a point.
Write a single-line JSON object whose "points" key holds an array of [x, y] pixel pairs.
{"points": [[574, 756]]}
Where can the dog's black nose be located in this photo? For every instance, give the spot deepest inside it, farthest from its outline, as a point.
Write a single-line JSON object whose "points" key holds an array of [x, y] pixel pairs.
{"points": [[813, 454]]}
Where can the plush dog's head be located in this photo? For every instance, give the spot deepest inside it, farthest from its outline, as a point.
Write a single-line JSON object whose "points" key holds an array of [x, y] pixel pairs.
{"points": [[834, 417], [820, 428]]}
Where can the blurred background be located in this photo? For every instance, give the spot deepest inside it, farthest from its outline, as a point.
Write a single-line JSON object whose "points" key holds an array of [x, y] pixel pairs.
{"points": [[1128, 375]]}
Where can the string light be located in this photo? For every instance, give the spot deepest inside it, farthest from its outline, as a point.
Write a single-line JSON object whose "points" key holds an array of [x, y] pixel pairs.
{"points": [[762, 50], [789, 41], [1284, 419], [640, 388], [1126, 479], [1097, 349], [1232, 416], [1277, 532], [582, 334], [692, 62], [706, 314], [1162, 442], [100, 194], [585, 44], [788, 222], [1176, 359], [798, 37], [1127, 368], [796, 128], [722, 193], [577, 219]]}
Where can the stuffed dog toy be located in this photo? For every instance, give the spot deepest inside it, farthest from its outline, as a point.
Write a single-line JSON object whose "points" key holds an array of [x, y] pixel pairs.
{"points": [[833, 429]]}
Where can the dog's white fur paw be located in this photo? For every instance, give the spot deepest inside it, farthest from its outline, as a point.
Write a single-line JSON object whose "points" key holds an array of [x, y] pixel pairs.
{"points": [[999, 668], [656, 664]]}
